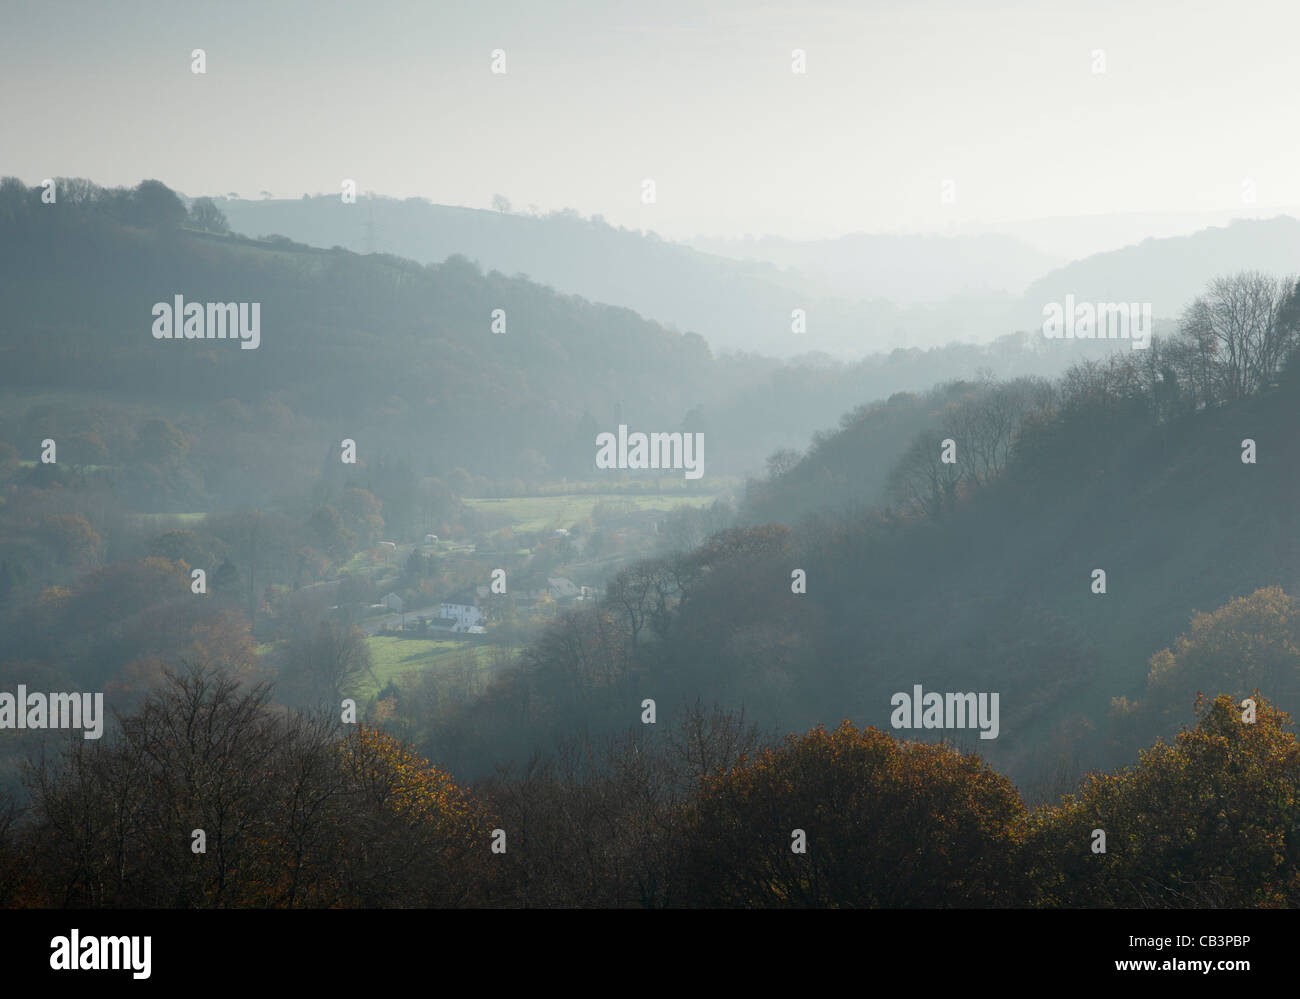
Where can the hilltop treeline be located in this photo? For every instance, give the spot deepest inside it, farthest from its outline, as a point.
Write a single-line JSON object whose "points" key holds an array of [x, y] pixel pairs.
{"points": [[399, 356], [377, 349], [1231, 343]]}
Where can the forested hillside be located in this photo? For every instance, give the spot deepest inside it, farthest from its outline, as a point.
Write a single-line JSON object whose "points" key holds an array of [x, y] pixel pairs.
{"points": [[358, 346], [978, 574], [380, 350]]}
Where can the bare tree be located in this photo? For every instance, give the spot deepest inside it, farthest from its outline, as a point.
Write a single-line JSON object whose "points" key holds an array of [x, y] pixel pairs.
{"points": [[921, 482], [992, 419], [708, 744], [324, 659], [1241, 317], [781, 461], [77, 190]]}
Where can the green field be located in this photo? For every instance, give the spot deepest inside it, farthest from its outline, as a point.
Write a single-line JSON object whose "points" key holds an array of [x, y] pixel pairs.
{"points": [[395, 657], [539, 513]]}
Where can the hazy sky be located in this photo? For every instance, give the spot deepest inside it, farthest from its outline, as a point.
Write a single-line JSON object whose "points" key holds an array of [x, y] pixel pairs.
{"points": [[1196, 100]]}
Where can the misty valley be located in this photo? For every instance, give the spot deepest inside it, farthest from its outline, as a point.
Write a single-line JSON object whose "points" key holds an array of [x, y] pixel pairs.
{"points": [[359, 554], [384, 614]]}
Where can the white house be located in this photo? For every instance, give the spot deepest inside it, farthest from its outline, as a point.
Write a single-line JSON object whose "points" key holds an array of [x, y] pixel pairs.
{"points": [[463, 609], [393, 602]]}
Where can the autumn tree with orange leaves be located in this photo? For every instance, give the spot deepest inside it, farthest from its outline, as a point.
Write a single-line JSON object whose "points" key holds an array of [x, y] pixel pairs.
{"points": [[1211, 820], [887, 824]]}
